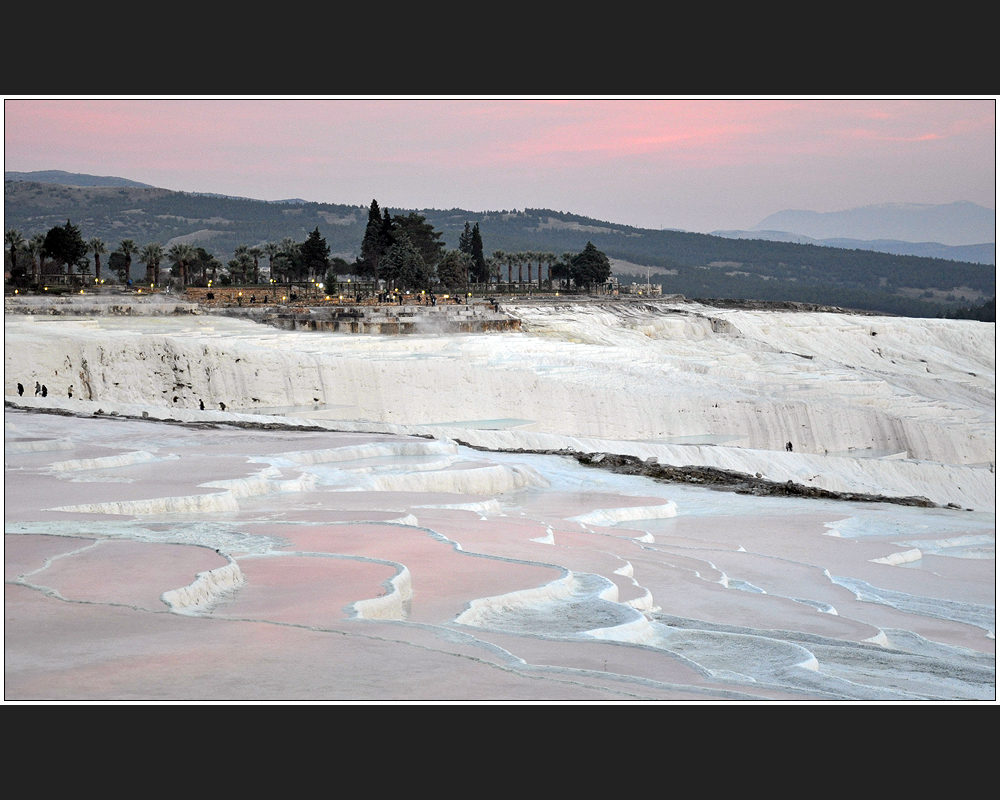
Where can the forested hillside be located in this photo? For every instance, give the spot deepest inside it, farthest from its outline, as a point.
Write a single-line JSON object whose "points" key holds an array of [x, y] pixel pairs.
{"points": [[692, 264], [219, 224]]}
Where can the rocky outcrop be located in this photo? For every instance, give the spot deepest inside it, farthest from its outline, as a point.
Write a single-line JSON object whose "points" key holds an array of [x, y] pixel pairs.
{"points": [[727, 480]]}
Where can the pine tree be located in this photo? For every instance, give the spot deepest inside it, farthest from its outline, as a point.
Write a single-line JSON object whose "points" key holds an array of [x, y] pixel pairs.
{"points": [[590, 267], [422, 235], [117, 265], [65, 245], [315, 255], [404, 266], [452, 270]]}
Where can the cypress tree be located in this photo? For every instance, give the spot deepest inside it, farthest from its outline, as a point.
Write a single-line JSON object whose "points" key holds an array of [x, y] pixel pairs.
{"points": [[478, 258], [373, 244], [388, 230], [465, 240]]}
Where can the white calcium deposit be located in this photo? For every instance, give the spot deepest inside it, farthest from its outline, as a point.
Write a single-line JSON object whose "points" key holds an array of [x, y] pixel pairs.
{"points": [[868, 404], [369, 517]]}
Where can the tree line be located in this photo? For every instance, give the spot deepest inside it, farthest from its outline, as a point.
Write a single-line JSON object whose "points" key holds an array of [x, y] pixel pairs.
{"points": [[699, 265], [397, 251], [406, 252]]}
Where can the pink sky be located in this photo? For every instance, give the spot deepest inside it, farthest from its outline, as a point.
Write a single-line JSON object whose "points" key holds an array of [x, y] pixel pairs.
{"points": [[697, 164]]}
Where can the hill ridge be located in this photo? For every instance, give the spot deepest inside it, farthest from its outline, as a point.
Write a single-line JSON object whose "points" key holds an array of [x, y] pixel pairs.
{"points": [[686, 263]]}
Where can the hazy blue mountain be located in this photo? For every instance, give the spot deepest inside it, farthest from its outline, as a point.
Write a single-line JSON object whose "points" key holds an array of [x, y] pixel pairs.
{"points": [[974, 253], [768, 236], [951, 224], [58, 176]]}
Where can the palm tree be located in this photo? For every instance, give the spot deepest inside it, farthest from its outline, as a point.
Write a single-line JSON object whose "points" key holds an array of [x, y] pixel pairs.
{"points": [[530, 256], [567, 259], [36, 247], [287, 253], [182, 254], [520, 267], [256, 253], [15, 241], [151, 255], [128, 248], [98, 248], [495, 262], [542, 258], [214, 263], [271, 249], [239, 265], [550, 259]]}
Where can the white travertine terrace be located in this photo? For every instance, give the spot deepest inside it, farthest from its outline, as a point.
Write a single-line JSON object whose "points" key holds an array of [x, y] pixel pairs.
{"points": [[206, 590], [377, 517]]}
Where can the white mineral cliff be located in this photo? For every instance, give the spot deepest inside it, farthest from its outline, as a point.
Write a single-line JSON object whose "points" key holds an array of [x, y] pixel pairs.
{"points": [[868, 404]]}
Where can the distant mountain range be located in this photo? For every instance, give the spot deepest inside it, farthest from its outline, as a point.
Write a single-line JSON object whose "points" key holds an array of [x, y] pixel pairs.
{"points": [[976, 253], [723, 266], [951, 224]]}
